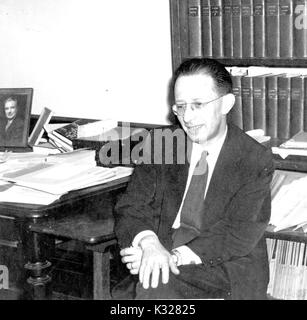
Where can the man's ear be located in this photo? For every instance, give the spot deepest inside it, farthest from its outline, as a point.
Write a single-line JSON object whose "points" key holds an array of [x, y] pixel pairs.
{"points": [[228, 102]]}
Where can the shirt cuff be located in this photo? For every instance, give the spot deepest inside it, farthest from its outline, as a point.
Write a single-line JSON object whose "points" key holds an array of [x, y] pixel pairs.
{"points": [[140, 236], [188, 256]]}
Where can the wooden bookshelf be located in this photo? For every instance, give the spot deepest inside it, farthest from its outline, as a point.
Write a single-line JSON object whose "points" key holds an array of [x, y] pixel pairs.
{"points": [[287, 234]]}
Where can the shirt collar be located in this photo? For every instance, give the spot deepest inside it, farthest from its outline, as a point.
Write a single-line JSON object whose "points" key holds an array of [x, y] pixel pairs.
{"points": [[213, 150]]}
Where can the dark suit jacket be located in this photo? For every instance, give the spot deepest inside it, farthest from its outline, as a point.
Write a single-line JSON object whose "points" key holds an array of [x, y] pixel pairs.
{"points": [[14, 135], [237, 211]]}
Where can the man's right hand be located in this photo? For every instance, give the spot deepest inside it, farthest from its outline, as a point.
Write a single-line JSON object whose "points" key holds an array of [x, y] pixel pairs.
{"points": [[154, 258]]}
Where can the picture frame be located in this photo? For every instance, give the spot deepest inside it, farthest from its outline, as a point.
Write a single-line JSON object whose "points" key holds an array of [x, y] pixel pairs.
{"points": [[15, 113]]}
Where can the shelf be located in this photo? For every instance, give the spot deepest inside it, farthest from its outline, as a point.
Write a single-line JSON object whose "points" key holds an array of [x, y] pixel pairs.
{"points": [[263, 62], [288, 235]]}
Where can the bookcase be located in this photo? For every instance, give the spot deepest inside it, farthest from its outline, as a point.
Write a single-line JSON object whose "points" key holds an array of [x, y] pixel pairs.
{"points": [[244, 33]]}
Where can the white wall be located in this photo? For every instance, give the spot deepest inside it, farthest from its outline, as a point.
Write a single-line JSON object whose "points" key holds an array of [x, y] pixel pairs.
{"points": [[89, 58]]}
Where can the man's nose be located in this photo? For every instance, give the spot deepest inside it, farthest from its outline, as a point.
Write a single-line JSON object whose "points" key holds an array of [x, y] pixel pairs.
{"points": [[188, 114]]}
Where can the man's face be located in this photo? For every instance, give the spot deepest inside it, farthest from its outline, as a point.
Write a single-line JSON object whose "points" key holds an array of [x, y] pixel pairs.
{"points": [[208, 122], [10, 109]]}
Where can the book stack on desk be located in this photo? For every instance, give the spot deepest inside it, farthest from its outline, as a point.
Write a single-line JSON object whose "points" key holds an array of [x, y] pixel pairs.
{"points": [[62, 135], [42, 180]]}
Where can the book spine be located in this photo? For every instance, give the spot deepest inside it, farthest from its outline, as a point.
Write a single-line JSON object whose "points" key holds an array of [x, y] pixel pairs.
{"points": [[247, 103], [286, 28], [227, 29], [284, 104], [247, 28], [237, 28], [305, 104], [217, 28], [272, 28], [235, 114], [300, 28], [194, 19], [206, 28], [259, 102], [259, 28], [184, 29], [297, 105], [272, 105]]}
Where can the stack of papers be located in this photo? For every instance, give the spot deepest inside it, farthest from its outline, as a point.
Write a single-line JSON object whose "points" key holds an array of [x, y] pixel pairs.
{"points": [[289, 199], [43, 179], [297, 145]]}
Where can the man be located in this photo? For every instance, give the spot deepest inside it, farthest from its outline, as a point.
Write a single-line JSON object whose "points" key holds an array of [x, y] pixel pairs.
{"points": [[221, 251], [11, 129]]}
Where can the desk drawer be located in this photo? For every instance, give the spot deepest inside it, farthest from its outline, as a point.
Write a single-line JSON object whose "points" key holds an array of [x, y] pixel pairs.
{"points": [[9, 235]]}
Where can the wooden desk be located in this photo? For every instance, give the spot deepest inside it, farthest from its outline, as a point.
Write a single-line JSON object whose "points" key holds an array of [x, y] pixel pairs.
{"points": [[26, 252]]}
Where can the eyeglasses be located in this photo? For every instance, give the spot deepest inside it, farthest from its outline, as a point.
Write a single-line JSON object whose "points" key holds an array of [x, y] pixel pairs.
{"points": [[180, 108]]}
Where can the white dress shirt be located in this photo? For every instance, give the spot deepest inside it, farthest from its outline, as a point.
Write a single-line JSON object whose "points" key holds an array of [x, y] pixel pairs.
{"points": [[186, 254]]}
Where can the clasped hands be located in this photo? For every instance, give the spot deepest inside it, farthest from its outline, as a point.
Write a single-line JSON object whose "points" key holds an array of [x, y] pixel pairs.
{"points": [[148, 261]]}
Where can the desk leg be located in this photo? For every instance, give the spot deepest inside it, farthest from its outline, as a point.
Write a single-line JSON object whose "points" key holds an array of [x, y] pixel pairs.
{"points": [[38, 248]]}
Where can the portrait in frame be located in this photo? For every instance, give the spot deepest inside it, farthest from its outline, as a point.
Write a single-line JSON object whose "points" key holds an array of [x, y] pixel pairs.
{"points": [[15, 112]]}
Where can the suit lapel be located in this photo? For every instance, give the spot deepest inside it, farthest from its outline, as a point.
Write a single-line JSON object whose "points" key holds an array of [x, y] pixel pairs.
{"points": [[224, 179]]}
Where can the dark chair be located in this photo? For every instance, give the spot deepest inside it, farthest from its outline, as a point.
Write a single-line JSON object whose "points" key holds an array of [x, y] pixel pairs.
{"points": [[97, 235]]}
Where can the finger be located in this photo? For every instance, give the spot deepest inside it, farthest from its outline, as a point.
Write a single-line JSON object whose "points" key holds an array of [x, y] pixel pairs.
{"points": [[131, 258], [136, 265], [131, 250], [134, 271], [173, 267], [146, 276], [128, 265], [165, 273], [155, 275], [141, 271]]}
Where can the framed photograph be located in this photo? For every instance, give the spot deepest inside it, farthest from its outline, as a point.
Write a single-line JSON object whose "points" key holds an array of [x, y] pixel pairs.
{"points": [[15, 111]]}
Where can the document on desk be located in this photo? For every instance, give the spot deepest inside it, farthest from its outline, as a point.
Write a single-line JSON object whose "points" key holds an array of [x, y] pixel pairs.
{"points": [[62, 178], [42, 180], [10, 192]]}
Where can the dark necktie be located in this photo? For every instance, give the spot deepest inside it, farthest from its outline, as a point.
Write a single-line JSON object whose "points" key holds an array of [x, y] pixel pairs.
{"points": [[193, 205]]}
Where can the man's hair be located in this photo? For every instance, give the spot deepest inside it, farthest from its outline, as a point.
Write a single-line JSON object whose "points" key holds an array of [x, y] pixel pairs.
{"points": [[210, 67], [11, 99]]}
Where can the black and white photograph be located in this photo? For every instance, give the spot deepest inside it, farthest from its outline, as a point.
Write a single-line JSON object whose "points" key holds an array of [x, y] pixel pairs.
{"points": [[162, 161], [15, 116]]}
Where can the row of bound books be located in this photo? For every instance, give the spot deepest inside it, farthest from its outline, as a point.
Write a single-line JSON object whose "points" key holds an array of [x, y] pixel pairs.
{"points": [[288, 269], [245, 28], [276, 103]]}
